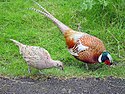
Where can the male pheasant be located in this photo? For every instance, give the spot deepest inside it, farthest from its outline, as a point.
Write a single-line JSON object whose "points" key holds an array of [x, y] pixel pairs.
{"points": [[37, 57], [82, 46]]}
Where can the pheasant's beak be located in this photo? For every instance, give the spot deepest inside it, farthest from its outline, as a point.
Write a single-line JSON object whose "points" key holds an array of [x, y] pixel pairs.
{"points": [[61, 68]]}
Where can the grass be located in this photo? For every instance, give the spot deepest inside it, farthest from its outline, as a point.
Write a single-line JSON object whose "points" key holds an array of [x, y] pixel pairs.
{"points": [[103, 19]]}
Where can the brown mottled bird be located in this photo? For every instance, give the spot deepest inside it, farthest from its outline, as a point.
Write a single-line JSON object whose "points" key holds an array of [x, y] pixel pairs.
{"points": [[37, 57], [83, 46]]}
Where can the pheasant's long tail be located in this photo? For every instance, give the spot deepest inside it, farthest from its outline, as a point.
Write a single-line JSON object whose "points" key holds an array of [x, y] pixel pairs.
{"points": [[43, 11], [16, 42]]}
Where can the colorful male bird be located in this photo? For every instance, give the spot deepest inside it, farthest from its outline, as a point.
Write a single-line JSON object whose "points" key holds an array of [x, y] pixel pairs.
{"points": [[82, 46], [37, 57]]}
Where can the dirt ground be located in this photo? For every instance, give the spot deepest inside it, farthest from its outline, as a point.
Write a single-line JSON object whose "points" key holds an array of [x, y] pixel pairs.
{"points": [[53, 85]]}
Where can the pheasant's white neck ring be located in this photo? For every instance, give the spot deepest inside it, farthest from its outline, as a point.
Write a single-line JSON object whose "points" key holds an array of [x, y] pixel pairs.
{"points": [[99, 59]]}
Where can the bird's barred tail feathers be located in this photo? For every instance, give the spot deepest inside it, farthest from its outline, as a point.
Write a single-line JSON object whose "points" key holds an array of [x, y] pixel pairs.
{"points": [[43, 11], [16, 42]]}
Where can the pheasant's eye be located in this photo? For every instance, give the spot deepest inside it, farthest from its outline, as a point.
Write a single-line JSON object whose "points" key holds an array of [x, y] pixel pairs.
{"points": [[57, 64]]}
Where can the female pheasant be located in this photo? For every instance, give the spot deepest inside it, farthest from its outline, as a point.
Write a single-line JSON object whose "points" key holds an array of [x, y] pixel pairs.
{"points": [[37, 57], [82, 46]]}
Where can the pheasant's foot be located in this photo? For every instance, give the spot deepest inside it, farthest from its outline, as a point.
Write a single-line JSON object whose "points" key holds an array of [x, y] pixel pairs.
{"points": [[86, 65]]}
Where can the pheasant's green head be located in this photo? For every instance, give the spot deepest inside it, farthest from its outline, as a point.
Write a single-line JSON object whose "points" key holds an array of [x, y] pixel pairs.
{"points": [[106, 58]]}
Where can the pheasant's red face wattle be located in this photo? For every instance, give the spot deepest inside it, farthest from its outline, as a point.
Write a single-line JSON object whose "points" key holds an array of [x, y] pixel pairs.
{"points": [[107, 62]]}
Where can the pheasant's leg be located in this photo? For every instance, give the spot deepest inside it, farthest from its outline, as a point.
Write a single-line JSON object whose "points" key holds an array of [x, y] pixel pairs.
{"points": [[29, 69], [41, 72], [86, 65]]}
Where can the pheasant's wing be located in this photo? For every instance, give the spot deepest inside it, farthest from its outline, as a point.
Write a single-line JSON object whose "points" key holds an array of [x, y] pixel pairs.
{"points": [[44, 53], [74, 43], [35, 54], [77, 48]]}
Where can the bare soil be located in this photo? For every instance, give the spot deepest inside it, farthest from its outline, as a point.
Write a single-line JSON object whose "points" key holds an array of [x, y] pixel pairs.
{"points": [[54, 85]]}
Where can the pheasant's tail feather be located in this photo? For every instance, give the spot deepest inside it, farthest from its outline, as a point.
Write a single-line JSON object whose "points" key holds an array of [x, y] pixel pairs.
{"points": [[43, 11], [16, 42]]}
